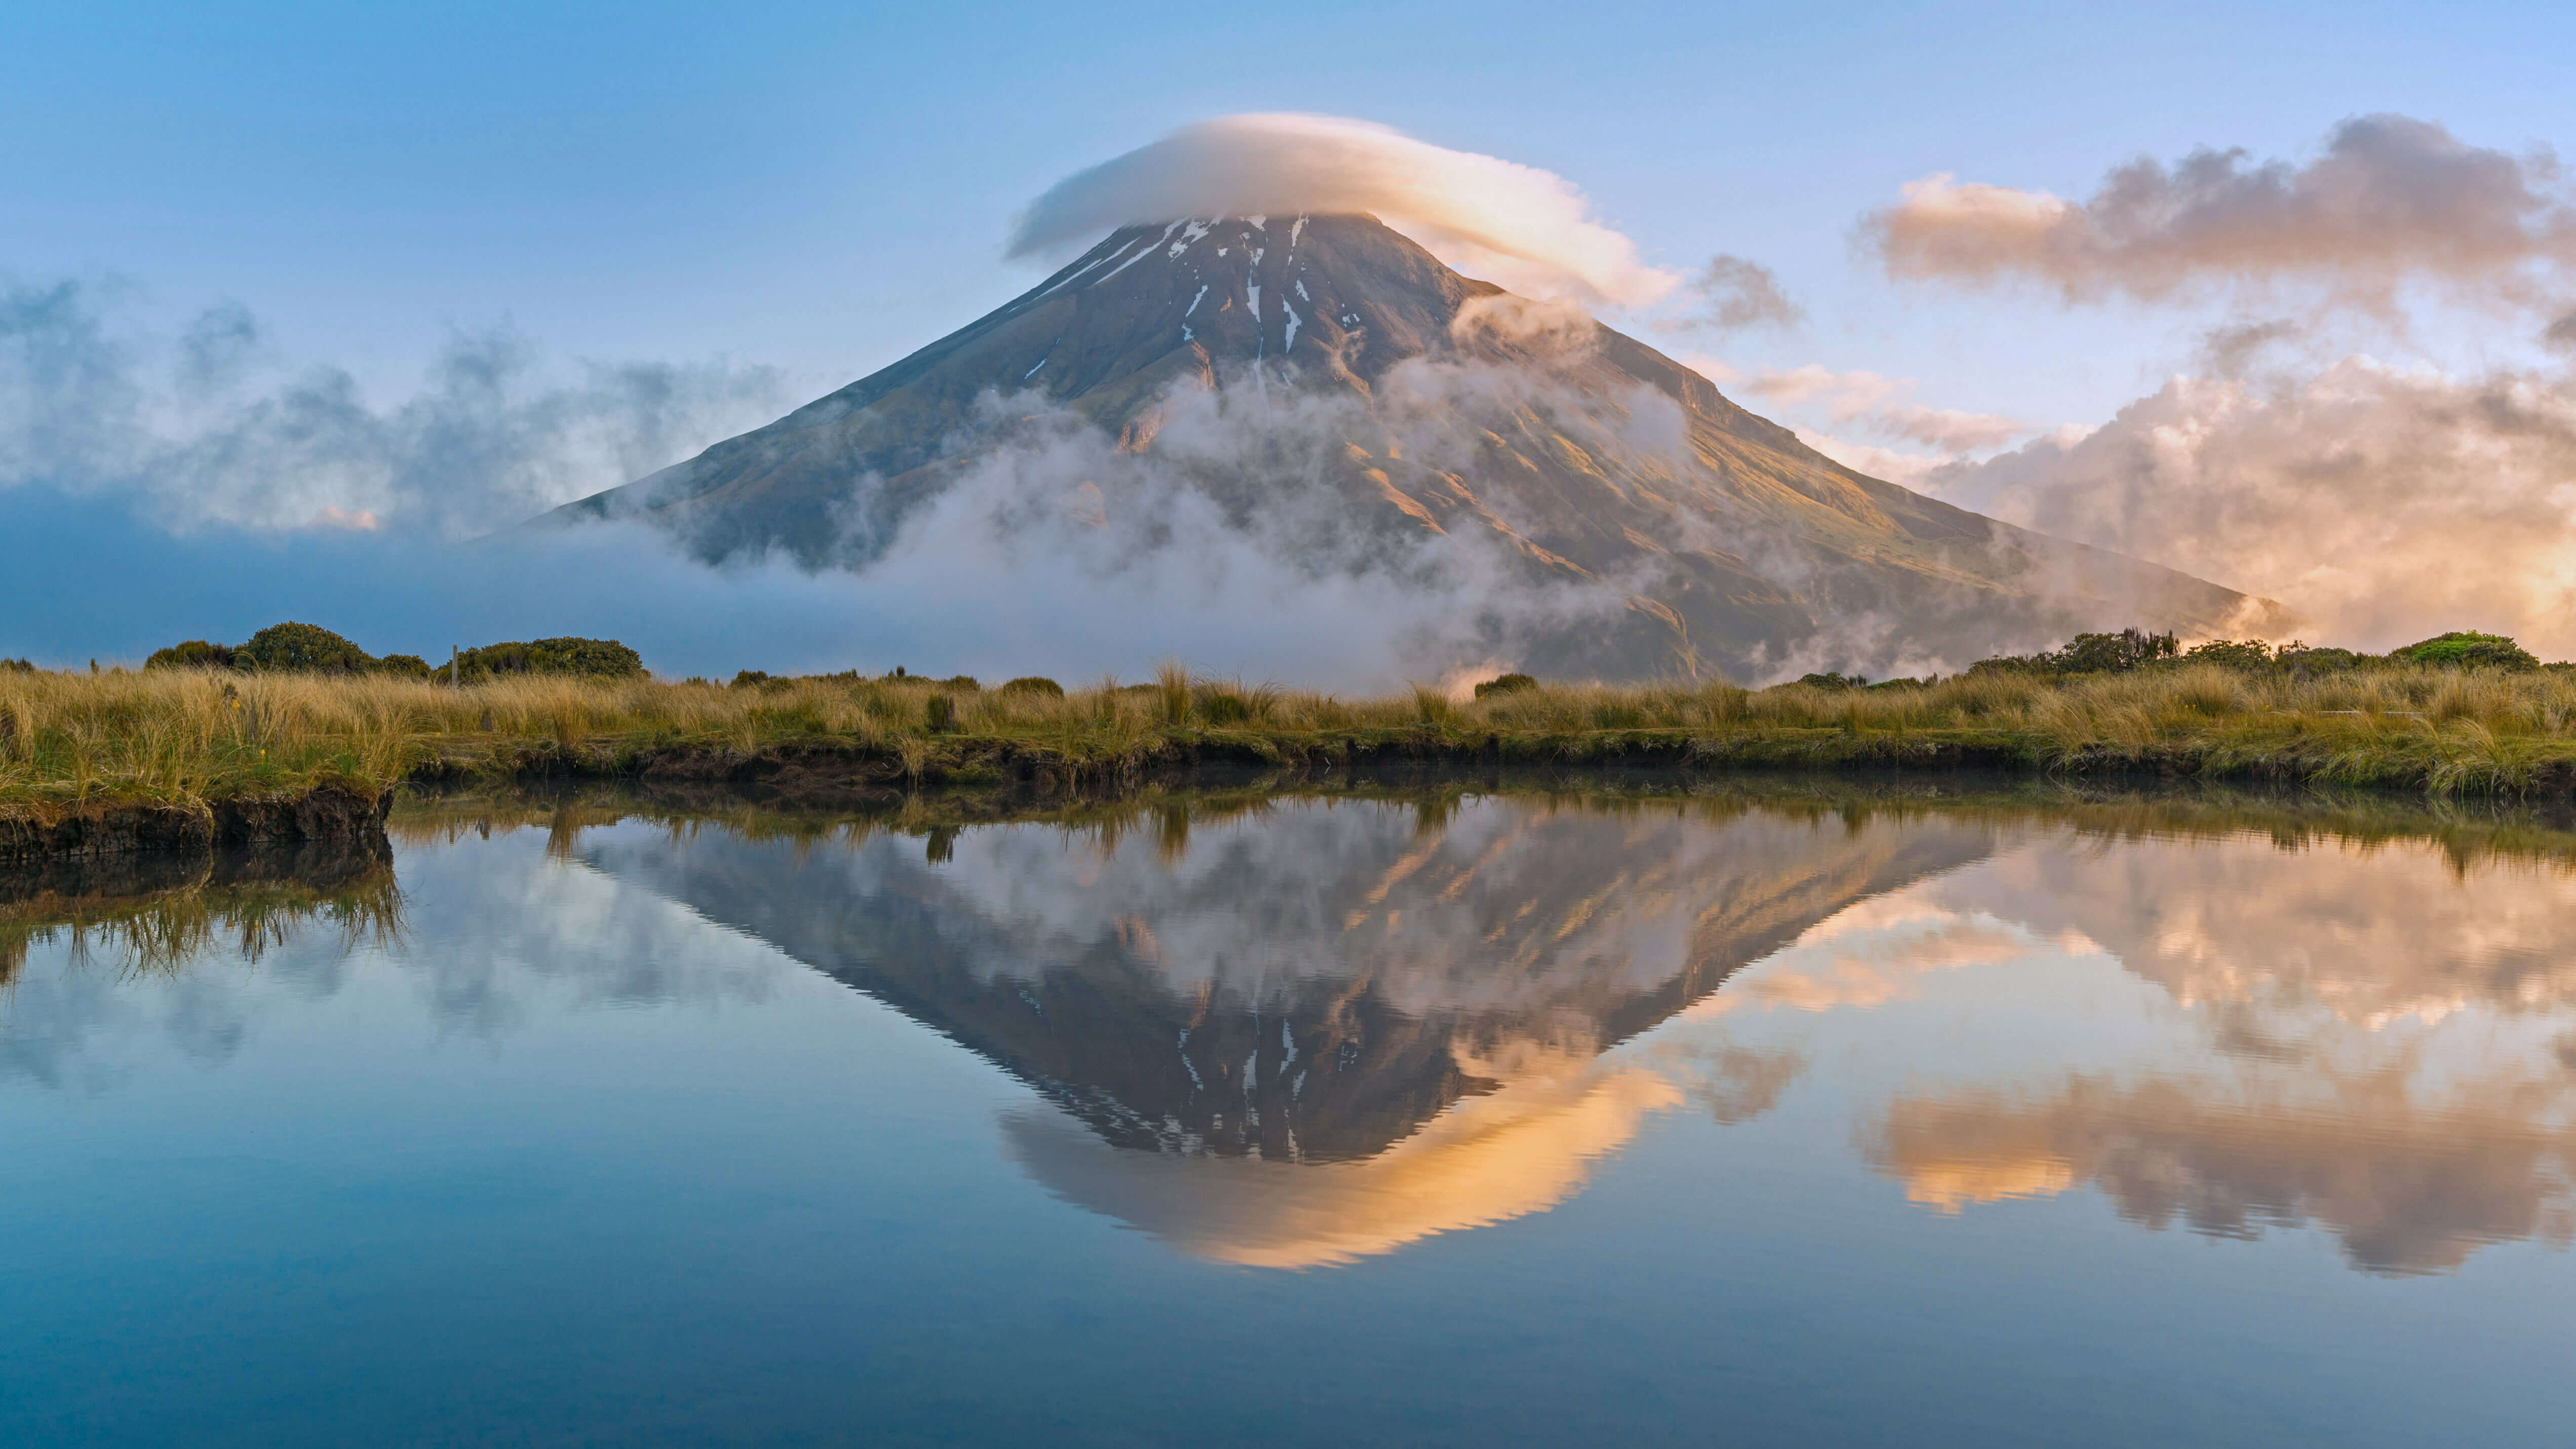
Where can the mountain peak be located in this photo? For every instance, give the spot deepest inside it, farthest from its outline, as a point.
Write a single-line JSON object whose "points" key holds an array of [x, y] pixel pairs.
{"points": [[1589, 456], [1334, 294]]}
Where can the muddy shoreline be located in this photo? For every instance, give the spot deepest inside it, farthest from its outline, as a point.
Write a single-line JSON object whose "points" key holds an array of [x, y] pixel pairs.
{"points": [[332, 814]]}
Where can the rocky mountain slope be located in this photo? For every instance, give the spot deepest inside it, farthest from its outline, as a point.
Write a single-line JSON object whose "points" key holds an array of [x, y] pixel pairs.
{"points": [[1327, 371]]}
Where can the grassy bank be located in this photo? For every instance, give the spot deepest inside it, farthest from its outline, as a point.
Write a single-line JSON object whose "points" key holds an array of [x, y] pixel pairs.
{"points": [[182, 736]]}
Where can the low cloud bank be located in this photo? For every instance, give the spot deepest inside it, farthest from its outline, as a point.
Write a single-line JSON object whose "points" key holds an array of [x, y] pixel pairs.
{"points": [[198, 433], [109, 585], [2382, 505], [180, 492], [1525, 229]]}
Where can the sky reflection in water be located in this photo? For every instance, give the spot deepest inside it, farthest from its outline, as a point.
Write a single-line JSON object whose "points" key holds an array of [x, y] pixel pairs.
{"points": [[1858, 1085]]}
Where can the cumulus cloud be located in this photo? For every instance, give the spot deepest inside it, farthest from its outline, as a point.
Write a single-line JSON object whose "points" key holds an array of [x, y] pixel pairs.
{"points": [[1520, 227], [2391, 200], [2381, 505]]}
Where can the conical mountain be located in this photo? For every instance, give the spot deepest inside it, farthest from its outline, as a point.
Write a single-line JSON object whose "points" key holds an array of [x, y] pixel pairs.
{"points": [[1363, 379]]}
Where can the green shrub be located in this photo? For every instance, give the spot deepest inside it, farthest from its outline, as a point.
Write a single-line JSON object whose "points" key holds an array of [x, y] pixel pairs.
{"points": [[194, 654], [1834, 681], [940, 713], [2087, 654], [17, 666], [962, 683], [2299, 657], [407, 666], [745, 679], [303, 649], [2464, 648], [1034, 684], [2113, 653], [590, 658], [2232, 653], [1507, 684], [1223, 707]]}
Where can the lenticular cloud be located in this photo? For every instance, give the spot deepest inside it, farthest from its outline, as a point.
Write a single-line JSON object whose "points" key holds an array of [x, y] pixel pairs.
{"points": [[1523, 228]]}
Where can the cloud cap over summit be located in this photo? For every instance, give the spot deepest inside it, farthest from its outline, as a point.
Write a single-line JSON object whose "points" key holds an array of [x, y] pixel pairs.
{"points": [[1526, 229]]}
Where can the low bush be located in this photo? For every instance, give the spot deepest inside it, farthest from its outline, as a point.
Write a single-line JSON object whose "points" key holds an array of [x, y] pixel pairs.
{"points": [[587, 658], [293, 648], [1506, 684], [193, 654], [2232, 654], [2467, 648], [301, 649], [2298, 658], [1037, 684]]}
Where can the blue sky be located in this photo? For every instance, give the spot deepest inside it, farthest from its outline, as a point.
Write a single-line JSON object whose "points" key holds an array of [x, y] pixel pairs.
{"points": [[817, 190], [825, 187]]}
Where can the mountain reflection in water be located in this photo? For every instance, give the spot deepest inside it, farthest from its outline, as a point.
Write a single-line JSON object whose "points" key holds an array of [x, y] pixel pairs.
{"points": [[1303, 1030], [1315, 1029]]}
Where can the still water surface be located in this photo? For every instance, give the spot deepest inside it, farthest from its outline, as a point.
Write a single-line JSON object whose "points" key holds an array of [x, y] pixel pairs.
{"points": [[1460, 1120]]}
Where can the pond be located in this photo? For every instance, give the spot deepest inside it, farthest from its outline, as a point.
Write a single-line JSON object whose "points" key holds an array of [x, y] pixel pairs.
{"points": [[1786, 1115]]}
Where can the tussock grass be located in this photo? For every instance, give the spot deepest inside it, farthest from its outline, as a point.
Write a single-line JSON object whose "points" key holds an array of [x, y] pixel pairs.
{"points": [[182, 734]]}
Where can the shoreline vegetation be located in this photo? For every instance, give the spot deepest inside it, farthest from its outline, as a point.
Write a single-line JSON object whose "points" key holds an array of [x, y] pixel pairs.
{"points": [[228, 745]]}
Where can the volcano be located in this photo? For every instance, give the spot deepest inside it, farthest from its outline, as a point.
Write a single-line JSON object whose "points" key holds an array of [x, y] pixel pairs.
{"points": [[1327, 367]]}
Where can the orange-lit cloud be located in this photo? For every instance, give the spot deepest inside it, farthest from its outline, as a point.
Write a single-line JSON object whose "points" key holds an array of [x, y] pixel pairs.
{"points": [[2410, 1180], [2391, 199], [1520, 1150], [2381, 505]]}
